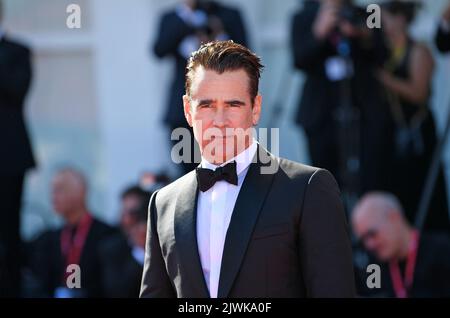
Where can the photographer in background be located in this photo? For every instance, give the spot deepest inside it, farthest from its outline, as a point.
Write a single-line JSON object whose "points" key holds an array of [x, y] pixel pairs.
{"points": [[339, 55], [181, 31], [443, 33]]}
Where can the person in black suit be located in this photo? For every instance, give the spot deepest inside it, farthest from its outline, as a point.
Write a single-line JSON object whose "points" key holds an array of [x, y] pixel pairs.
{"points": [[180, 32], [122, 255], [326, 36], [443, 34], [245, 223], [77, 242], [412, 264], [16, 158]]}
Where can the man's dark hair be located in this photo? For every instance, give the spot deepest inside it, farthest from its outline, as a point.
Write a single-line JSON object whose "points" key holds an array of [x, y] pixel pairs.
{"points": [[135, 190], [222, 56]]}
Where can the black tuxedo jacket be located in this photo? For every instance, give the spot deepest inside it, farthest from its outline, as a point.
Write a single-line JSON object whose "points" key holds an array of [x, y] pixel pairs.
{"points": [[15, 77], [172, 31], [287, 237]]}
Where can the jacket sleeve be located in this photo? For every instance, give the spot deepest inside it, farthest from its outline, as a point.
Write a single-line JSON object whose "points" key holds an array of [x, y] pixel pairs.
{"points": [[325, 249], [155, 279]]}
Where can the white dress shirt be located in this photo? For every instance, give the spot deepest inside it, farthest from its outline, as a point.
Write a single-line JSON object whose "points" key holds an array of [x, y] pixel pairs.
{"points": [[214, 210]]}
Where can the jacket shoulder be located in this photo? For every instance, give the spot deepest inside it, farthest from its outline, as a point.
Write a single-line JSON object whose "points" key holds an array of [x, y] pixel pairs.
{"points": [[16, 45], [305, 174], [168, 192], [169, 15], [295, 170]]}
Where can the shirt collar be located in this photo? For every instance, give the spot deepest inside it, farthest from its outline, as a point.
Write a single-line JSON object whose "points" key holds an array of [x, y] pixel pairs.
{"points": [[243, 160]]}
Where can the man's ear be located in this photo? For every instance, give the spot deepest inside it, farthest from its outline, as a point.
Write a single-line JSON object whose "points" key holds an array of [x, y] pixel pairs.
{"points": [[256, 110], [187, 109]]}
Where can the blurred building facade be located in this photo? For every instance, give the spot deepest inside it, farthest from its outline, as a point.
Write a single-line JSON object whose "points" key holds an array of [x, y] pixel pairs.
{"points": [[98, 93]]}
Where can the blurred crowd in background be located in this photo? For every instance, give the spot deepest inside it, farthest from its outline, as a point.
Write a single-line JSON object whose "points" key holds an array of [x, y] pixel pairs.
{"points": [[364, 110]]}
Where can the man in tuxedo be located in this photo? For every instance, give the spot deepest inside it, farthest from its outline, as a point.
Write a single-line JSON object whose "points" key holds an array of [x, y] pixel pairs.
{"points": [[443, 33], [245, 223], [181, 31], [77, 242], [16, 156]]}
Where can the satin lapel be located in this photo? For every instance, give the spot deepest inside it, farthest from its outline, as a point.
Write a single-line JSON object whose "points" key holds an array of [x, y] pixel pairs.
{"points": [[186, 236], [248, 205]]}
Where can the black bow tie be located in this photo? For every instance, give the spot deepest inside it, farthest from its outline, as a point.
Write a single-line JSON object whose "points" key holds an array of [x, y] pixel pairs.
{"points": [[206, 178]]}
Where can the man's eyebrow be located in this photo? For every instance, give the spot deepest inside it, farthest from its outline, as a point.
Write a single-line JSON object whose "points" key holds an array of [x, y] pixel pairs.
{"points": [[205, 101], [235, 101]]}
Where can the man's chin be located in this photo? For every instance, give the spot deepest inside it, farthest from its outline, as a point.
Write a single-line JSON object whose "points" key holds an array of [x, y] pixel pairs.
{"points": [[218, 160]]}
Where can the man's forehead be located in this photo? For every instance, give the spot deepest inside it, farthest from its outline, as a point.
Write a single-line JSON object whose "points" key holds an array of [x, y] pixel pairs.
{"points": [[199, 74], [69, 178], [370, 215], [204, 76]]}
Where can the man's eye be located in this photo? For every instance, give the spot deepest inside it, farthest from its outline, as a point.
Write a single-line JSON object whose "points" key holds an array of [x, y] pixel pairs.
{"points": [[204, 106], [235, 105]]}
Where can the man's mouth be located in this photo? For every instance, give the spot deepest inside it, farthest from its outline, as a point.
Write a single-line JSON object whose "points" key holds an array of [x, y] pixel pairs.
{"points": [[222, 137]]}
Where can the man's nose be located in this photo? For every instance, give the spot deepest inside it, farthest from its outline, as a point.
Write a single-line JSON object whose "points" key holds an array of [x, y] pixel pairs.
{"points": [[220, 117]]}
